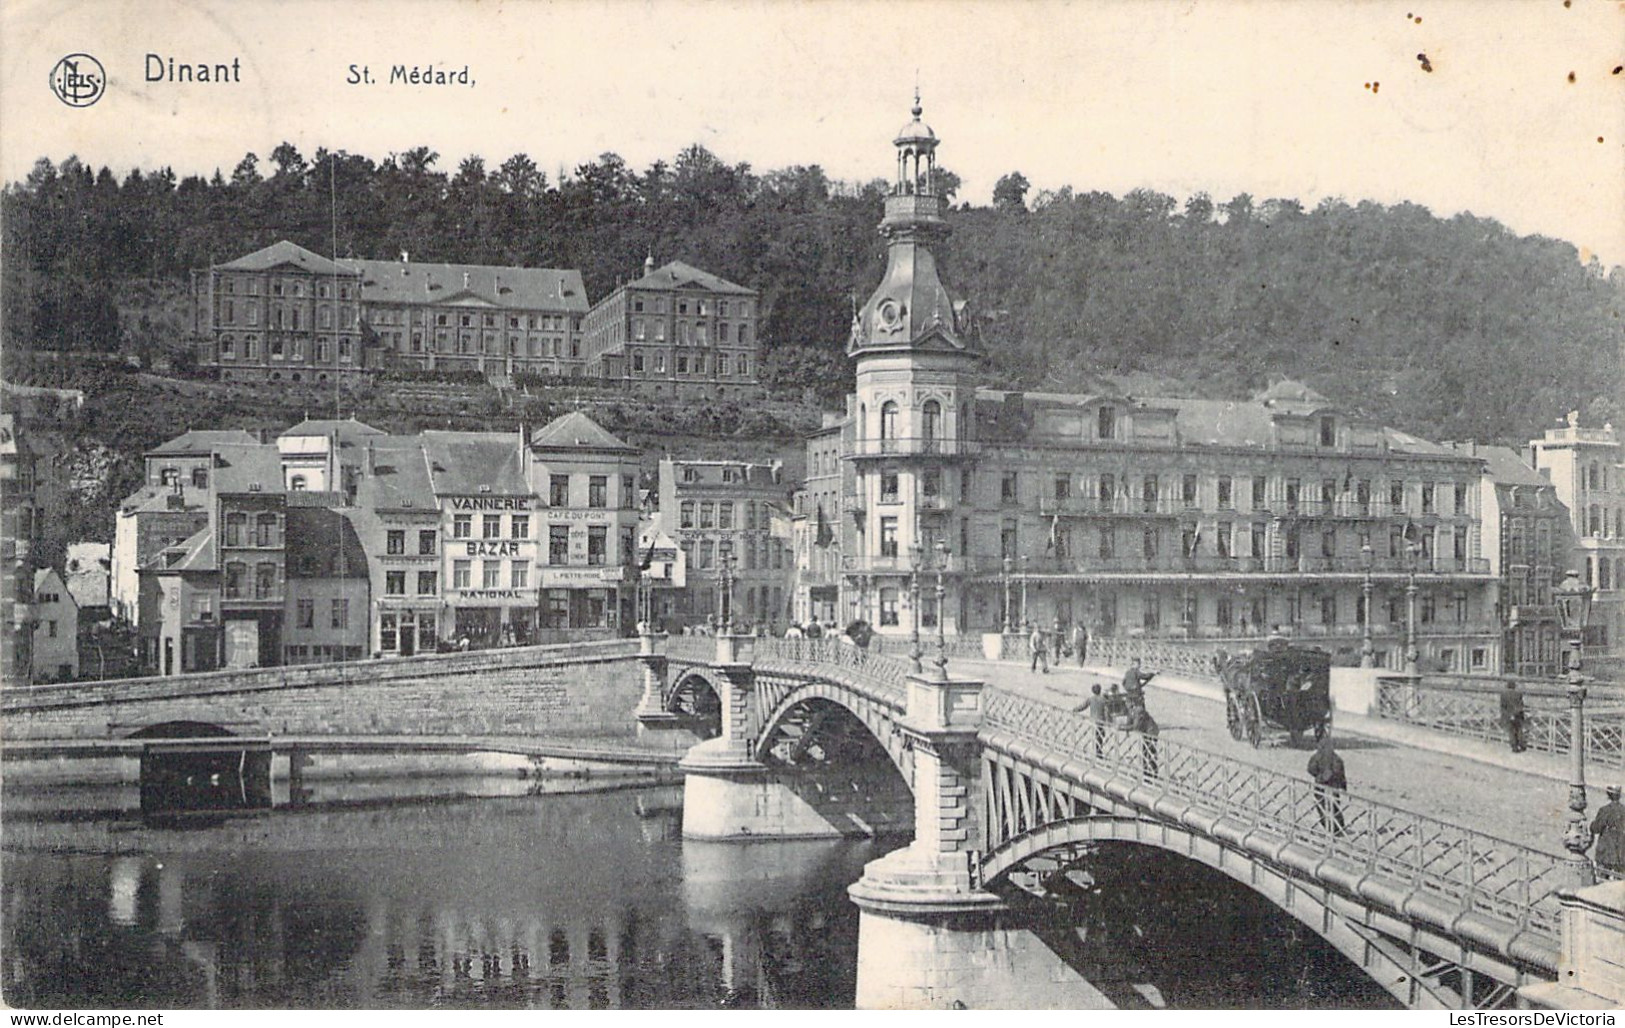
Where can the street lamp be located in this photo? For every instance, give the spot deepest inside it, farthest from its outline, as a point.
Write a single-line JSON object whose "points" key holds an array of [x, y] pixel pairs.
{"points": [[1024, 617], [1574, 609], [914, 553], [1411, 655], [1368, 653], [726, 552], [1008, 626], [942, 594]]}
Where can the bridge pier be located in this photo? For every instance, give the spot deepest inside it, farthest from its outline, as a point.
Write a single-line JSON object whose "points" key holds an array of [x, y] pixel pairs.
{"points": [[928, 935], [657, 726]]}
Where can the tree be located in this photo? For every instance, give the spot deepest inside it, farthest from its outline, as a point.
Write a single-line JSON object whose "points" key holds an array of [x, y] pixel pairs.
{"points": [[1010, 192]]}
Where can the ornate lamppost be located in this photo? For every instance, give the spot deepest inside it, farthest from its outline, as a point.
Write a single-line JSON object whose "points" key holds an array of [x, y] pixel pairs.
{"points": [[1024, 608], [1008, 626], [942, 594], [726, 555], [1412, 657], [1368, 653], [915, 654], [1574, 609]]}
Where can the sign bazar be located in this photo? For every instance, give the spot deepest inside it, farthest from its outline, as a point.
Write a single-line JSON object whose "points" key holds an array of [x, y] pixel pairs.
{"points": [[494, 548]]}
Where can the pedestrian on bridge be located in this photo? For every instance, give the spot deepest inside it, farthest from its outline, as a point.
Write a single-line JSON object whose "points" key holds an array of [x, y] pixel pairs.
{"points": [[1096, 706], [1146, 725], [1039, 650], [1609, 828], [1512, 715], [1134, 683], [1080, 641], [1331, 781]]}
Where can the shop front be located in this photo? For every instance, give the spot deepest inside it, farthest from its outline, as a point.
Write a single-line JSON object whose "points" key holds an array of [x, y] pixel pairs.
{"points": [[408, 631]]}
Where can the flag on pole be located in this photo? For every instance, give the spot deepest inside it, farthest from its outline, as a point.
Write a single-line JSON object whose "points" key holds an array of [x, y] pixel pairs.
{"points": [[1196, 540], [824, 536], [649, 555], [1054, 533]]}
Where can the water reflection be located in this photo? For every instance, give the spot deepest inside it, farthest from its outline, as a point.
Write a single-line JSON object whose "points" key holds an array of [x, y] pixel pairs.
{"points": [[584, 901], [567, 900]]}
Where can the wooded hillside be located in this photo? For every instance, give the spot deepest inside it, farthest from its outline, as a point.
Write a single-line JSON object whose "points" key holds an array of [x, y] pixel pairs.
{"points": [[1450, 328]]}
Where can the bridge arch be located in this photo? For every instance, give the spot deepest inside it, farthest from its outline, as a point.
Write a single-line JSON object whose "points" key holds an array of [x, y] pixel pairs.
{"points": [[1416, 979], [696, 695], [805, 697]]}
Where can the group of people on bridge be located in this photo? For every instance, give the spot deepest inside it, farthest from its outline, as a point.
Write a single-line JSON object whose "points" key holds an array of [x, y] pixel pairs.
{"points": [[1041, 642]]}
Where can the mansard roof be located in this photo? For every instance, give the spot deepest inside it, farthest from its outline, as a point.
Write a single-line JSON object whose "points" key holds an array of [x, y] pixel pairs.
{"points": [[510, 288], [467, 463]]}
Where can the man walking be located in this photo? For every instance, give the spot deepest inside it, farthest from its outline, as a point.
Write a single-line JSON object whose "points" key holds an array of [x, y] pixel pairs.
{"points": [[1512, 715], [1040, 654], [1609, 828], [1080, 641], [1096, 706], [1326, 768], [1146, 725]]}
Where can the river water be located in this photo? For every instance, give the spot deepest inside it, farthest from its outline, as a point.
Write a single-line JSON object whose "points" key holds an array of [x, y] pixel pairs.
{"points": [[481, 893]]}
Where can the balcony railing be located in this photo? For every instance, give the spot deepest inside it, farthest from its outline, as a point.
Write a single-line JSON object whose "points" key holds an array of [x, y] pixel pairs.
{"points": [[907, 446], [904, 563]]}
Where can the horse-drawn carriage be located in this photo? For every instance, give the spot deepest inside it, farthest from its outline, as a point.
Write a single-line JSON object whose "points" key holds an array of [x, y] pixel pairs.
{"points": [[1277, 688]]}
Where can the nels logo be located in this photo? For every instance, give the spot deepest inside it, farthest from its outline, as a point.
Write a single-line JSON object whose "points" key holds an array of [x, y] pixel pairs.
{"points": [[78, 80]]}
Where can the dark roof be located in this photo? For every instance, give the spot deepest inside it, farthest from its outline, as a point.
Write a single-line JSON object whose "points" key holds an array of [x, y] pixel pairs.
{"points": [[551, 289], [1503, 464], [278, 254], [196, 553], [323, 544], [461, 463], [399, 476], [576, 431], [236, 468], [348, 429], [200, 441], [156, 497], [677, 274]]}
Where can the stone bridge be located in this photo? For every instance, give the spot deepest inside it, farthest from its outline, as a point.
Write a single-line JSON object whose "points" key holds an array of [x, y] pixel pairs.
{"points": [[570, 701], [1008, 790]]}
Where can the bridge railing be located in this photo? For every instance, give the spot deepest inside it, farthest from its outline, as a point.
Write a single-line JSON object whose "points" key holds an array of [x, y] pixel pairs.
{"points": [[1476, 714], [1469, 869], [1153, 655], [700, 648], [881, 668]]}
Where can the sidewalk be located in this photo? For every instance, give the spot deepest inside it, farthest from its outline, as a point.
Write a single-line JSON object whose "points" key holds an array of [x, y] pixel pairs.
{"points": [[1545, 765]]}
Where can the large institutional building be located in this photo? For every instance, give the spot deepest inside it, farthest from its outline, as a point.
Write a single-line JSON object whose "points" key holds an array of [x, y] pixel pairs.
{"points": [[285, 314], [1154, 517], [676, 331]]}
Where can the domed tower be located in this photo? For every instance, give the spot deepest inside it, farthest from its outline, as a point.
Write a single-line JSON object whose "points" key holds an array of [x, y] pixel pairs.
{"points": [[916, 359]]}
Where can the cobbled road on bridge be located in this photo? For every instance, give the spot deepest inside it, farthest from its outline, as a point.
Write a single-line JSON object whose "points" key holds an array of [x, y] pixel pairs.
{"points": [[1528, 808]]}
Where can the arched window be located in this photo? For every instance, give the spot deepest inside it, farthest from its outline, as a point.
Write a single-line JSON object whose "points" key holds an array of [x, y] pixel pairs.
{"points": [[236, 580], [863, 421], [888, 420], [265, 531], [236, 529], [931, 420]]}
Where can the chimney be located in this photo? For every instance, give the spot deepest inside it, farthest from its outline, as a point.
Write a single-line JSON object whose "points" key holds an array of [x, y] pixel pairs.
{"points": [[175, 501], [465, 280]]}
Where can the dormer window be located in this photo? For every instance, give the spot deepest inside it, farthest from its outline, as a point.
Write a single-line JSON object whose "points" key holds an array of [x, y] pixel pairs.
{"points": [[1107, 428], [1328, 431]]}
